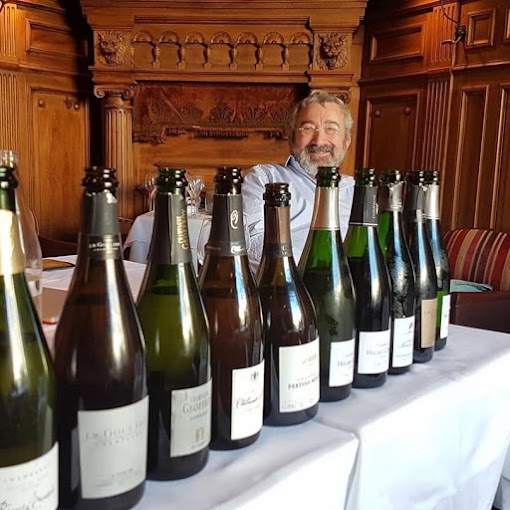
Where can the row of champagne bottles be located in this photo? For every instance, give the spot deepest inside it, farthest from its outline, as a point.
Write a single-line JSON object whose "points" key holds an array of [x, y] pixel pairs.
{"points": [[253, 353]]}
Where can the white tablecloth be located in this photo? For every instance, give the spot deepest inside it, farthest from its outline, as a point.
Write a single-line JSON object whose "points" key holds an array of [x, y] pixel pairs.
{"points": [[433, 439], [139, 236]]}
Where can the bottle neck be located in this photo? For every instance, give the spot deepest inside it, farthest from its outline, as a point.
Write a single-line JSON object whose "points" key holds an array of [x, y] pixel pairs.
{"points": [[277, 240], [415, 203], [99, 235], [170, 239], [390, 197], [12, 259], [432, 202], [227, 228], [364, 207], [325, 209]]}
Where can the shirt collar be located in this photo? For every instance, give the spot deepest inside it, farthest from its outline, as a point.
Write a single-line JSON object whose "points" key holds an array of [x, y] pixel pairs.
{"points": [[293, 163]]}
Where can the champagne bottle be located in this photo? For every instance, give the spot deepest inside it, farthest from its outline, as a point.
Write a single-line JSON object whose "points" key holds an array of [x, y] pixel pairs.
{"points": [[28, 447], [235, 321], [327, 277], [400, 268], [424, 268], [291, 343], [177, 341], [371, 284], [440, 257], [100, 366]]}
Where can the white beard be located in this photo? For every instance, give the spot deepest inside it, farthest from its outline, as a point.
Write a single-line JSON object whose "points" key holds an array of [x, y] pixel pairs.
{"points": [[303, 158]]}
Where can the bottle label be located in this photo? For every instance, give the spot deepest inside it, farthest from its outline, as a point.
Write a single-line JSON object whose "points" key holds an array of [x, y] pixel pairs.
{"points": [[403, 341], [32, 485], [364, 206], [227, 228], [341, 364], [12, 260], [247, 401], [190, 423], [113, 449], [428, 322], [373, 352], [445, 315], [299, 376], [103, 247]]}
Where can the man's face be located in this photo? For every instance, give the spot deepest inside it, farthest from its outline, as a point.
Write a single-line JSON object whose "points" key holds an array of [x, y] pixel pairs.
{"points": [[320, 138]]}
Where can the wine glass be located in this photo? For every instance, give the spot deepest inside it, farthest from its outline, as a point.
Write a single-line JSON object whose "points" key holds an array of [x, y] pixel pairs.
{"points": [[194, 188], [150, 186]]}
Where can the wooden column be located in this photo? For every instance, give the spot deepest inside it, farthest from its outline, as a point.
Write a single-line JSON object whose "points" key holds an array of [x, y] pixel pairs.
{"points": [[118, 148]]}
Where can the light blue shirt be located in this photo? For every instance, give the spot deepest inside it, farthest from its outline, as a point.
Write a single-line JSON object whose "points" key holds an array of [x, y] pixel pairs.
{"points": [[302, 188]]}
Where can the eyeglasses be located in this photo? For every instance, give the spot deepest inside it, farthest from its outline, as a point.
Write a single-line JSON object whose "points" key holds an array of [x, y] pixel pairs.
{"points": [[311, 130]]}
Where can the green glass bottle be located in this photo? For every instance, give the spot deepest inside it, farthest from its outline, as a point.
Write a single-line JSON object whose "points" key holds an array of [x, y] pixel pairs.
{"points": [[235, 321], [400, 268], [371, 284], [100, 366], [291, 343], [424, 268], [177, 341], [28, 447], [440, 257], [327, 277]]}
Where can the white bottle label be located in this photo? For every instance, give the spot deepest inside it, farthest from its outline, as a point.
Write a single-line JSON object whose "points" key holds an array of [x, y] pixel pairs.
{"points": [[445, 316], [403, 341], [32, 485], [373, 352], [341, 364], [190, 422], [247, 401], [299, 376], [113, 449]]}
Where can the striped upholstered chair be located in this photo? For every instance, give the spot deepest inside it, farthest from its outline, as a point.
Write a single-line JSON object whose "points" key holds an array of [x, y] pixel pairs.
{"points": [[481, 256]]}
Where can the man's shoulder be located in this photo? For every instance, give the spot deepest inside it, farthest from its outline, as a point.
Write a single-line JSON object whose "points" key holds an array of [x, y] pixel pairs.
{"points": [[267, 170], [346, 182]]}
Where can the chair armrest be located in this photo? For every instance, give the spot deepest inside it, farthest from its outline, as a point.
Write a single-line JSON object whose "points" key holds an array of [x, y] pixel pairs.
{"points": [[484, 310]]}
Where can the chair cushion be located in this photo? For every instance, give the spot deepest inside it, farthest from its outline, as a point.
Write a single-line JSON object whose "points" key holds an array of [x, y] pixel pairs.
{"points": [[479, 255]]}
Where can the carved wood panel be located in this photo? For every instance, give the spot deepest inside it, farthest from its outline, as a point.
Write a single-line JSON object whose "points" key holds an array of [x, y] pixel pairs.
{"points": [[9, 110]]}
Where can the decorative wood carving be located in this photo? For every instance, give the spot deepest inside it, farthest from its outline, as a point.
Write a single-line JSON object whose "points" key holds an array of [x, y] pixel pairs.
{"points": [[218, 111], [125, 90], [9, 110], [111, 48], [442, 30], [436, 114], [7, 35], [333, 51]]}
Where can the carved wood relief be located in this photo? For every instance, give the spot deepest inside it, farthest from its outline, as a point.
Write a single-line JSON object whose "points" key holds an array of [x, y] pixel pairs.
{"points": [[111, 48], [214, 111], [333, 51], [436, 113], [9, 107], [194, 50], [7, 35]]}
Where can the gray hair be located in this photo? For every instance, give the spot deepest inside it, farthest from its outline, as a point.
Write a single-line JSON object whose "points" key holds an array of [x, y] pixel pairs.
{"points": [[320, 97]]}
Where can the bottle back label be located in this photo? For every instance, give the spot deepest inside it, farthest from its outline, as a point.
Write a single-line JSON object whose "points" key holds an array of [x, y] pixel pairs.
{"points": [[373, 352], [445, 315], [364, 206], [190, 422], [341, 364], [113, 449], [428, 322], [247, 401], [227, 229], [403, 341], [32, 485], [299, 376]]}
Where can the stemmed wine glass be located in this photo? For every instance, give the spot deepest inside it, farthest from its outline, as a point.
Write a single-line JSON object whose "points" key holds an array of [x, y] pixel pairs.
{"points": [[150, 186], [195, 187]]}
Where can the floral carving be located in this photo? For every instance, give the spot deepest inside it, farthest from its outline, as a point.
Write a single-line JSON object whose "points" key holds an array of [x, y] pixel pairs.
{"points": [[111, 48], [333, 51]]}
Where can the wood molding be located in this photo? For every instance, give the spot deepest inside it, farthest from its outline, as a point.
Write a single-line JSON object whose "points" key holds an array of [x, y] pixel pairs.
{"points": [[441, 30], [8, 20], [9, 110], [409, 36], [507, 25], [480, 29]]}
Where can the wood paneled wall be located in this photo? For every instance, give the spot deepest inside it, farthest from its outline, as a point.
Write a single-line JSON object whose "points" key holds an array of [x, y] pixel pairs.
{"points": [[429, 102], [44, 107]]}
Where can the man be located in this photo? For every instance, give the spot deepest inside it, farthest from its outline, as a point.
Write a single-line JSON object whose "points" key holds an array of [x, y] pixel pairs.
{"points": [[319, 135]]}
